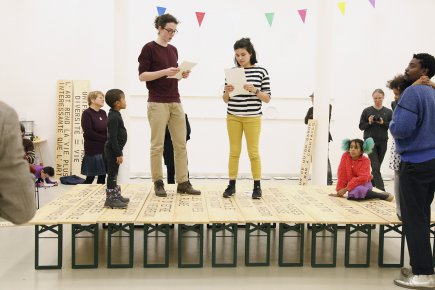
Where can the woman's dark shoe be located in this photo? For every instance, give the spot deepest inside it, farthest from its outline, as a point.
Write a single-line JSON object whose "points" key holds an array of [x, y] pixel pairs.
{"points": [[256, 193], [230, 191]]}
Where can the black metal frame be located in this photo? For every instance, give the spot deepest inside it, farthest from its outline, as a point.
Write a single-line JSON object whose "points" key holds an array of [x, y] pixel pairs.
{"points": [[58, 231], [149, 229], [77, 229], [232, 236], [384, 229], [357, 229], [112, 229], [261, 227], [317, 228], [299, 234], [184, 229]]}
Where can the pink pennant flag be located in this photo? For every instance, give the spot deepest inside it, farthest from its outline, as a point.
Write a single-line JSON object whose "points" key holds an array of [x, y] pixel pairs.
{"points": [[302, 14], [373, 2], [200, 17]]}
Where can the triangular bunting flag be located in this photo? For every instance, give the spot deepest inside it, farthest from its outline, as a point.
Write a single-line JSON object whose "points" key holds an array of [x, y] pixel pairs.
{"points": [[342, 7], [161, 10], [269, 17], [200, 17], [302, 14], [373, 2]]}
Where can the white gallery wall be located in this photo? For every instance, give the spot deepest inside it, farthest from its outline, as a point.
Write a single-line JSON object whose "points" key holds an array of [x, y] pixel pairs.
{"points": [[43, 41]]}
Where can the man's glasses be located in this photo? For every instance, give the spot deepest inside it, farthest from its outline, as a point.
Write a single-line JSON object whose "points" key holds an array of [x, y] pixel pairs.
{"points": [[171, 31]]}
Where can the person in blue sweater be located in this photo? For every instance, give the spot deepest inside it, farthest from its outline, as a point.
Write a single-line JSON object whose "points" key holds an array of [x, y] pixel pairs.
{"points": [[413, 130]]}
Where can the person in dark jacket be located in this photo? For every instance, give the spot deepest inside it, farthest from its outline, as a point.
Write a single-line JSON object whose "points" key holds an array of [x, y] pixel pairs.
{"points": [[94, 125], [309, 116], [168, 152], [375, 121], [413, 130], [117, 138]]}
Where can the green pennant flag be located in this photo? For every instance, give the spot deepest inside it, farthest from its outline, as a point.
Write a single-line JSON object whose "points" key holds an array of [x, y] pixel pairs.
{"points": [[269, 17]]}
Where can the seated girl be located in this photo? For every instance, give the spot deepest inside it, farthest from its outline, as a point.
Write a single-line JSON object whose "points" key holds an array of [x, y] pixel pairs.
{"points": [[354, 172]]}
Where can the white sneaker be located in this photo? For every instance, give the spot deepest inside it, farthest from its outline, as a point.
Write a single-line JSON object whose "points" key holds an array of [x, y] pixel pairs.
{"points": [[416, 282]]}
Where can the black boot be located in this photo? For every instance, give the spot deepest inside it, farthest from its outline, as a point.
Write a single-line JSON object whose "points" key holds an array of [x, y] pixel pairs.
{"points": [[112, 200], [231, 189], [381, 195], [118, 193], [256, 193]]}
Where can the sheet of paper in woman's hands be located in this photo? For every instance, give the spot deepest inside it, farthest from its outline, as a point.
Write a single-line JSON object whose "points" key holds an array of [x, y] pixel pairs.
{"points": [[184, 66], [237, 78]]}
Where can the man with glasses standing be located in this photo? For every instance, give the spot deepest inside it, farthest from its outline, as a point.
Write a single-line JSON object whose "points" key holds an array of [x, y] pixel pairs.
{"points": [[157, 62]]}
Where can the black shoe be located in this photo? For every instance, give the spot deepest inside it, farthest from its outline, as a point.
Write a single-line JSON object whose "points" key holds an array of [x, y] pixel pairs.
{"points": [[229, 191], [256, 193], [159, 189]]}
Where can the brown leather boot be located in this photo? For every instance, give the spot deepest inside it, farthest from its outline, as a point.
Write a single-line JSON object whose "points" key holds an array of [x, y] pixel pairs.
{"points": [[159, 189], [186, 187]]}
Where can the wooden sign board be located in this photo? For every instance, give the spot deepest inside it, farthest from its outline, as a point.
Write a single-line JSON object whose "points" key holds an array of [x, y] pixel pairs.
{"points": [[89, 210], [285, 207], [55, 212], [69, 136], [253, 210], [137, 193], [190, 209], [321, 209], [383, 209], [220, 209], [80, 103], [308, 152], [159, 210]]}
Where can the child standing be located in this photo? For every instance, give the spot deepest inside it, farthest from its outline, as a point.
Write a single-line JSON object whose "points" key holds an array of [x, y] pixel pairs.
{"points": [[354, 172], [117, 137]]}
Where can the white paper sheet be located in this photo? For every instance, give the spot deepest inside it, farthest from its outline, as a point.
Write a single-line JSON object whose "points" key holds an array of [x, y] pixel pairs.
{"points": [[237, 78], [184, 66]]}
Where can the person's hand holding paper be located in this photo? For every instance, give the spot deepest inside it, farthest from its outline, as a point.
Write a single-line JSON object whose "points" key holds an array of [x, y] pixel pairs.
{"points": [[185, 66], [236, 77]]}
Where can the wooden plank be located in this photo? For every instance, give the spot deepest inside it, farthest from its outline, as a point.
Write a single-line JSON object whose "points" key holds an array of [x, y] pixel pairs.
{"points": [[79, 104], [383, 209], [89, 210], [321, 209], [351, 209], [285, 207], [59, 127], [191, 209], [220, 209], [159, 210], [137, 193], [64, 128], [253, 210], [308, 152], [55, 211]]}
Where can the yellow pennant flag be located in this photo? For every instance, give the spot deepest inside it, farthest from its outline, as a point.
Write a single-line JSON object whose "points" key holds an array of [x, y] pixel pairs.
{"points": [[342, 7]]}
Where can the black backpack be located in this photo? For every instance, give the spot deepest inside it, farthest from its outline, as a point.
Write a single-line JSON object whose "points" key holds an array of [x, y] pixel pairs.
{"points": [[71, 180]]}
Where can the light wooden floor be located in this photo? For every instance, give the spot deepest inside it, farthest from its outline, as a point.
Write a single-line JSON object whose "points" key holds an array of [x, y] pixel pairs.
{"points": [[17, 267]]}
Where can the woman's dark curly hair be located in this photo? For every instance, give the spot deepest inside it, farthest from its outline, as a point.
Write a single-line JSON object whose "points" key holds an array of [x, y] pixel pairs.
{"points": [[246, 44]]}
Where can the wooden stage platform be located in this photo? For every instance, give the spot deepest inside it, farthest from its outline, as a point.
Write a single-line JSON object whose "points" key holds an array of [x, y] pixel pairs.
{"points": [[288, 206]]}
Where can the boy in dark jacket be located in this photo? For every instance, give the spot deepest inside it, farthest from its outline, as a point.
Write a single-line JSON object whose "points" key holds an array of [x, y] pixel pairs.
{"points": [[117, 138]]}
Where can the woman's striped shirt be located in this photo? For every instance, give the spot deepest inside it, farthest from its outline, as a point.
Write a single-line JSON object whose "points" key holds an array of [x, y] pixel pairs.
{"points": [[249, 105]]}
